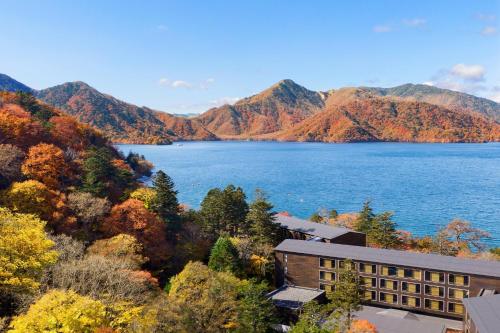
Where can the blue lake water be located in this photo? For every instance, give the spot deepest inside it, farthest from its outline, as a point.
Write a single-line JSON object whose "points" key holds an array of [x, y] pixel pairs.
{"points": [[425, 185]]}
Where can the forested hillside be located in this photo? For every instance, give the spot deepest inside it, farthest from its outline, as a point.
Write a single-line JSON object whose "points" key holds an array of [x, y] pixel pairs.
{"points": [[86, 247]]}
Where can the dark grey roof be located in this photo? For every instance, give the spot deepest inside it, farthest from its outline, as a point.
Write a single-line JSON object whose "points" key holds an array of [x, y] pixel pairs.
{"points": [[393, 257], [399, 321], [311, 228], [294, 297], [485, 312]]}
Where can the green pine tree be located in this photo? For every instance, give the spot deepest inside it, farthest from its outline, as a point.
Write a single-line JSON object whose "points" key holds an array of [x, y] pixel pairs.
{"points": [[165, 203], [346, 295], [384, 231], [224, 257], [224, 212], [98, 172], [256, 312], [365, 220], [261, 220]]}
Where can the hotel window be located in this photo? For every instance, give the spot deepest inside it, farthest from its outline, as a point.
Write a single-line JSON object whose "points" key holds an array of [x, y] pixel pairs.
{"points": [[367, 268], [434, 291], [326, 263], [342, 264], [389, 298], [458, 280], [434, 305], [389, 271], [434, 277], [368, 281], [409, 287], [457, 293], [409, 273], [326, 287], [370, 295], [388, 284], [457, 308], [414, 302], [327, 276]]}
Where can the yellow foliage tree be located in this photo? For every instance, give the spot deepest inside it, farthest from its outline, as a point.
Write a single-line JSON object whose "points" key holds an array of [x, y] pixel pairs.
{"points": [[62, 311], [145, 194], [25, 251], [31, 197], [204, 300]]}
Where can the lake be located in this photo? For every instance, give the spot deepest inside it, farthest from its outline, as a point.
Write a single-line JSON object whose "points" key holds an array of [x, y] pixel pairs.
{"points": [[425, 185]]}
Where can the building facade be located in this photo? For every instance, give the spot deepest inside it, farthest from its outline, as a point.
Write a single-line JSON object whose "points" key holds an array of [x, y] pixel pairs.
{"points": [[425, 283]]}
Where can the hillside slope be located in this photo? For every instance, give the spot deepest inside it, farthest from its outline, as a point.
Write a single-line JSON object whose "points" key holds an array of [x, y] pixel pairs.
{"points": [[443, 97], [389, 119], [278, 107], [121, 121], [9, 84]]}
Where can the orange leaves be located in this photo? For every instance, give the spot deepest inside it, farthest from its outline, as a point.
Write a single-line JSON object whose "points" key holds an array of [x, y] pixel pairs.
{"points": [[130, 217], [362, 326], [45, 163]]}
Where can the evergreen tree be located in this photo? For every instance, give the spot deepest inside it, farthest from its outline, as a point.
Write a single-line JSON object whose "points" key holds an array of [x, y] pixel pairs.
{"points": [[384, 231], [224, 211], [365, 220], [333, 214], [98, 171], [316, 218], [261, 220], [311, 317], [346, 296], [224, 257], [255, 310], [165, 203]]}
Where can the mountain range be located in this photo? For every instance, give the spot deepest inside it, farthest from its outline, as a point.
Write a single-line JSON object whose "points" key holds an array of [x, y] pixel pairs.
{"points": [[289, 112]]}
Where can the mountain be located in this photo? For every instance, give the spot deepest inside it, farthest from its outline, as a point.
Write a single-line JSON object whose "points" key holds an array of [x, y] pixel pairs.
{"points": [[279, 107], [388, 119], [9, 84], [121, 121], [288, 111], [443, 97]]}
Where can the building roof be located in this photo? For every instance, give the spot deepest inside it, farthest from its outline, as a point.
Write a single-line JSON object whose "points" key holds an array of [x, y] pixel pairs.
{"points": [[485, 312], [393, 257], [399, 321], [311, 228], [294, 297]]}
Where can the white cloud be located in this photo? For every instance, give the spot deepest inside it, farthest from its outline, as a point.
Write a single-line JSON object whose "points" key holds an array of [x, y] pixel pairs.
{"points": [[489, 31], [495, 97], [461, 77], [224, 100], [415, 22], [469, 72], [161, 27], [486, 17], [382, 28], [208, 82], [181, 84]]}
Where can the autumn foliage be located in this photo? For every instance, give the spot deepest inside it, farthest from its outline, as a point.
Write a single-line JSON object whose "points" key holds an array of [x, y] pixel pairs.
{"points": [[130, 217], [45, 163]]}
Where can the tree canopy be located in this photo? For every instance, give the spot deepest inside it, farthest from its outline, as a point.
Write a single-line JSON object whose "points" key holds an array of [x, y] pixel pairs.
{"points": [[25, 251]]}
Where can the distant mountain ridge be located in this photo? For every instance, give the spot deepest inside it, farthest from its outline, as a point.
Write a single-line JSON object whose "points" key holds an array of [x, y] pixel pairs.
{"points": [[288, 111]]}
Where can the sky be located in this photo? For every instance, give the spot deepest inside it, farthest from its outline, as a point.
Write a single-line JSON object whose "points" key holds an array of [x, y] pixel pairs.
{"points": [[188, 56]]}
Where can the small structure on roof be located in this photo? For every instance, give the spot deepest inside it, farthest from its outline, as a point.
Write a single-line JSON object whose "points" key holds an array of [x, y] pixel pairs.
{"points": [[306, 230]]}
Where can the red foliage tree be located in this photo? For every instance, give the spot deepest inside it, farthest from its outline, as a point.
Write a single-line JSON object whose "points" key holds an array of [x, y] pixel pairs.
{"points": [[130, 217]]}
